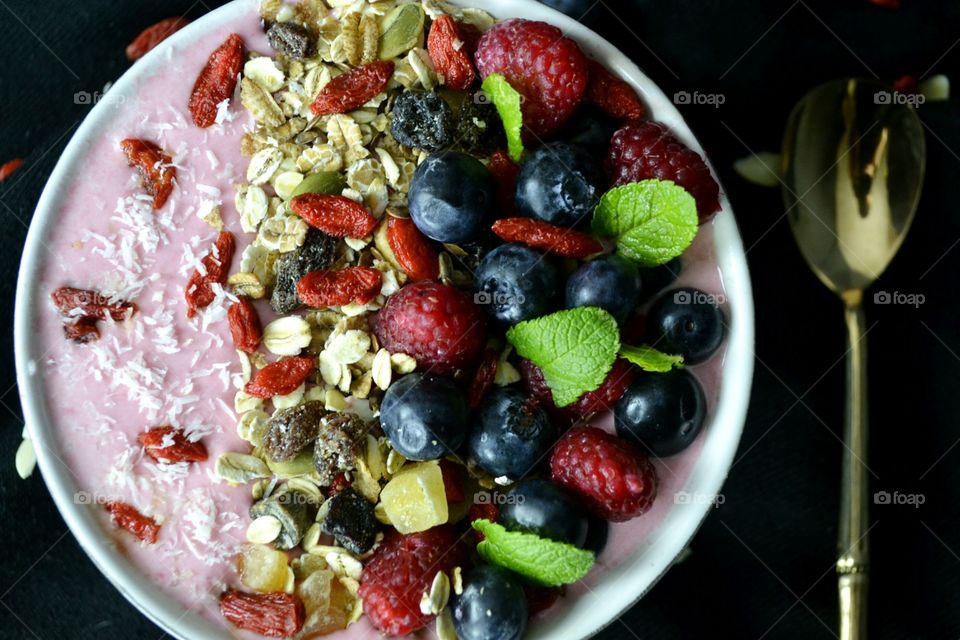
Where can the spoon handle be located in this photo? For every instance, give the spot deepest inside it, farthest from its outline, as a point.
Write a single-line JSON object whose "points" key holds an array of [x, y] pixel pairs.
{"points": [[853, 544]]}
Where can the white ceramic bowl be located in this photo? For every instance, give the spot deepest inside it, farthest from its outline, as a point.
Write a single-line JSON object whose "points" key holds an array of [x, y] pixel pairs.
{"points": [[623, 585]]}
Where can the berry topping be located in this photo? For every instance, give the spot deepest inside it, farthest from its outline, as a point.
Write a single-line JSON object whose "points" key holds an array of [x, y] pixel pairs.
{"points": [[438, 325], [352, 89], [155, 167], [609, 282], [281, 377], [275, 615], [541, 507], [401, 570], [449, 55], [216, 82], [547, 237], [423, 120], [349, 519], [349, 285], [662, 412], [600, 399], [316, 254], [483, 379], [615, 96], [612, 476], [451, 197], [424, 416], [546, 67], [413, 251], [504, 172], [127, 517], [492, 605], [73, 302], [559, 183], [245, 327], [648, 150], [200, 290], [516, 283], [510, 434], [337, 216], [154, 35], [686, 322], [169, 445]]}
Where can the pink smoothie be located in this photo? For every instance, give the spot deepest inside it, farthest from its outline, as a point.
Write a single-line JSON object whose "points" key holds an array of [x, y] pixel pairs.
{"points": [[161, 368]]}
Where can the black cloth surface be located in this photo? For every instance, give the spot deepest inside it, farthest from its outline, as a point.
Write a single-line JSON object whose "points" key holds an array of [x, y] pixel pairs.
{"points": [[761, 566]]}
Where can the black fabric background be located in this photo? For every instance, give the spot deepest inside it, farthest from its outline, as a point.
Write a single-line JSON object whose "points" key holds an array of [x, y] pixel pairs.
{"points": [[761, 567]]}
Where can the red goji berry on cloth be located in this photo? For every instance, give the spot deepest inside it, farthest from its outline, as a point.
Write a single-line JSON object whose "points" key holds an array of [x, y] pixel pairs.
{"points": [[216, 82], [156, 169], [547, 237], [351, 90], [358, 285]]}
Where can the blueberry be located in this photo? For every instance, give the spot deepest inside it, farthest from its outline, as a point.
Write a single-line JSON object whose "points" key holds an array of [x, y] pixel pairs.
{"points": [[559, 183], [424, 416], [451, 196], [423, 120], [541, 507], [349, 519], [662, 412], [510, 434], [656, 279], [516, 283], [492, 606], [591, 129], [686, 322], [609, 282]]}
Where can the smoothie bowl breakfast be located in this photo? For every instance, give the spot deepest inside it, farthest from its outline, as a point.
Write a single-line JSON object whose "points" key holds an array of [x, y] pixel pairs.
{"points": [[351, 318]]}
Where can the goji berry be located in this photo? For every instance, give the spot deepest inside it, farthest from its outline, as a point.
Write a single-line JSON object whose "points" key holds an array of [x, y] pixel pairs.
{"points": [[482, 379], [127, 517], [414, 252], [339, 483], [275, 615], [547, 237], [154, 35], [156, 171], [337, 216], [351, 90], [541, 598], [615, 96], [906, 85], [245, 325], [358, 285], [216, 82], [166, 444], [504, 172], [281, 377], [82, 330], [452, 481], [449, 54], [92, 304], [216, 264], [9, 167]]}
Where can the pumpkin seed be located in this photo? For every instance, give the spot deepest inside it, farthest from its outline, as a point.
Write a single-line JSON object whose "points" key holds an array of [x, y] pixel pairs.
{"points": [[401, 30], [326, 182]]}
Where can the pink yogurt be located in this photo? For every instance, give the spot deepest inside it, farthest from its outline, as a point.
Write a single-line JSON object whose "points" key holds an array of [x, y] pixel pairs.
{"points": [[161, 368]]}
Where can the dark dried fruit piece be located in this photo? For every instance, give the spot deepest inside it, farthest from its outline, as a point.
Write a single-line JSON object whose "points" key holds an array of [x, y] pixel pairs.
{"points": [[293, 509], [357, 285], [547, 237], [615, 96], [245, 325], [82, 331], [156, 171], [292, 40], [280, 378], [416, 254], [127, 517], [337, 216], [154, 35], [338, 445], [169, 445], [482, 379], [350, 520], [216, 82], [504, 172], [316, 254], [9, 167], [292, 430], [479, 129], [199, 292], [92, 304], [352, 89], [449, 55], [275, 615], [423, 120]]}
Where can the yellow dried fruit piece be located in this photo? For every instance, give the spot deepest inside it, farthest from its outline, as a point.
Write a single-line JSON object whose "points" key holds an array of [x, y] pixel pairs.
{"points": [[326, 602], [414, 499], [263, 569]]}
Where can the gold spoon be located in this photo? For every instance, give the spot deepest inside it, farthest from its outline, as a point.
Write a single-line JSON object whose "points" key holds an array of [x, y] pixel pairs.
{"points": [[853, 161]]}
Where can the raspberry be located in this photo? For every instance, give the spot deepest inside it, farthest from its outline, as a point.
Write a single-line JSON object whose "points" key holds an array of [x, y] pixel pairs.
{"points": [[613, 477], [546, 67], [436, 324], [620, 377], [647, 150], [400, 571]]}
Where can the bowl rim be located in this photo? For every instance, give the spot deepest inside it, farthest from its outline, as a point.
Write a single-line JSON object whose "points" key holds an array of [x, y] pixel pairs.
{"points": [[624, 584]]}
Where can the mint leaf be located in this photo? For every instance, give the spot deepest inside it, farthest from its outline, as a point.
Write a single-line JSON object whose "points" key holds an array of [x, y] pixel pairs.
{"points": [[649, 359], [546, 562], [653, 221], [507, 101], [574, 348]]}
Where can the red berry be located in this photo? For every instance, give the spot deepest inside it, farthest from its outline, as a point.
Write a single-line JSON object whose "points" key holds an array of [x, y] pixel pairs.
{"points": [[126, 516], [438, 325], [155, 166], [483, 378], [615, 96], [621, 375], [281, 377], [414, 251], [452, 481], [245, 325], [9, 167], [567, 243], [199, 292], [320, 289], [401, 570], [648, 150], [154, 35], [352, 89], [541, 598], [504, 172], [336, 216], [169, 445], [275, 615], [612, 476], [546, 67], [449, 55], [216, 81], [483, 511]]}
